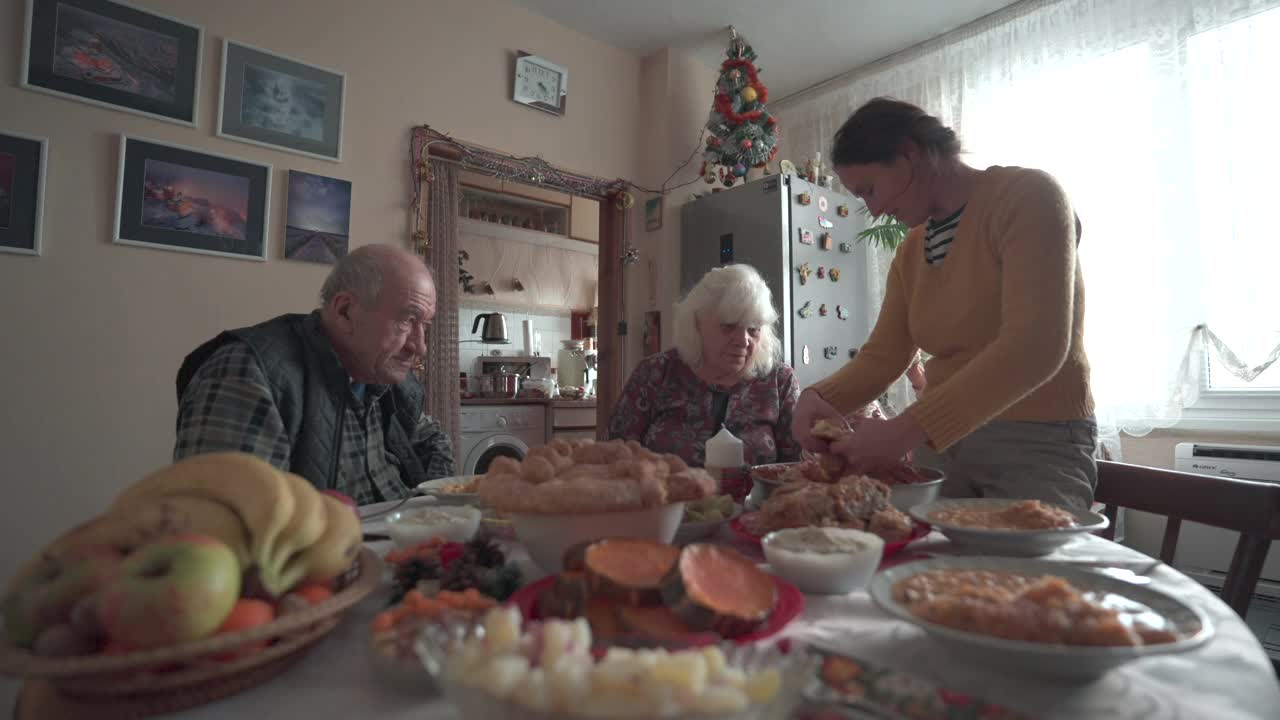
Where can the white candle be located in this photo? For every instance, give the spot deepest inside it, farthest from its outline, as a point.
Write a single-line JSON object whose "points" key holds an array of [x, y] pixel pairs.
{"points": [[723, 451]]}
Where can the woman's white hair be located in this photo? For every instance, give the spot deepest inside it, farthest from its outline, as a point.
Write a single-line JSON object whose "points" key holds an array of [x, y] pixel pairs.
{"points": [[733, 295]]}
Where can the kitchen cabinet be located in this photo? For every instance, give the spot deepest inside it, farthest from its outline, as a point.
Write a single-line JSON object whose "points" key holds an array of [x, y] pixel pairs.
{"points": [[584, 219]]}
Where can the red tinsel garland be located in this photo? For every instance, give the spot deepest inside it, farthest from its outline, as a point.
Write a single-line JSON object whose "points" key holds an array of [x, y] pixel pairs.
{"points": [[723, 104]]}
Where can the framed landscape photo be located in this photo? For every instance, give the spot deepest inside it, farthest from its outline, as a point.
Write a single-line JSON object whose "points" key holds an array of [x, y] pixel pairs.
{"points": [[22, 170], [268, 99], [114, 55], [176, 198], [653, 213], [319, 218]]}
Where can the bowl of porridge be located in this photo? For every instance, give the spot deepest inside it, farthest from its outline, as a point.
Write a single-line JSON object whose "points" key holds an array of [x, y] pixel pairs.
{"points": [[1036, 617], [1007, 527]]}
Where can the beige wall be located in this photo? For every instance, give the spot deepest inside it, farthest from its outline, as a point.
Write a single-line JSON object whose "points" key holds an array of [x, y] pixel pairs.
{"points": [[93, 332], [678, 88], [1143, 530]]}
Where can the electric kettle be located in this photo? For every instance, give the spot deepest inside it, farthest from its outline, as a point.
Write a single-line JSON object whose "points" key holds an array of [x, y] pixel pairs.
{"points": [[495, 327]]}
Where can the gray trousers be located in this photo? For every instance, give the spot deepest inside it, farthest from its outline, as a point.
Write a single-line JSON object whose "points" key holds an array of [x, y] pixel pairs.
{"points": [[1049, 461]]}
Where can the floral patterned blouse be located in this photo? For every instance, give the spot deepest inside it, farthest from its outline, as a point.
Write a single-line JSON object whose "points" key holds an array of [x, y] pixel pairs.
{"points": [[667, 408]]}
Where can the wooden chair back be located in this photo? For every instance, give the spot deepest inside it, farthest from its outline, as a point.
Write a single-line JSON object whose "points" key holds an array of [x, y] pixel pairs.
{"points": [[1245, 506]]}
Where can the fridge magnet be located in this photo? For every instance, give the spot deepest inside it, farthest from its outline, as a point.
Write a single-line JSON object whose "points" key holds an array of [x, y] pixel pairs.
{"points": [[842, 210], [804, 354], [804, 198], [852, 352], [842, 312], [806, 236], [824, 181], [830, 352], [846, 247], [822, 271], [824, 242], [834, 274], [822, 309], [22, 173], [805, 272], [806, 310], [824, 222], [822, 203]]}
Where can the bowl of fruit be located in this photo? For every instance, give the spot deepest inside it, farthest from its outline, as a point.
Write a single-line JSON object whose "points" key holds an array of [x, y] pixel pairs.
{"points": [[202, 579], [499, 667]]}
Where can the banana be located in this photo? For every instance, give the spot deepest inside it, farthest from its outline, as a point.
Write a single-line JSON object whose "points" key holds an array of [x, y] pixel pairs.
{"points": [[333, 553], [255, 490], [142, 520], [310, 518]]}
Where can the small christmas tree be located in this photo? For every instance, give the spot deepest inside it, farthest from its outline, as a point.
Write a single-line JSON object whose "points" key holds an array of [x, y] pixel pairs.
{"points": [[743, 133]]}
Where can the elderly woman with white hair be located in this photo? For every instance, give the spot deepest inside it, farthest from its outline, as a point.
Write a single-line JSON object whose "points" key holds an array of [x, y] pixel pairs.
{"points": [[725, 370]]}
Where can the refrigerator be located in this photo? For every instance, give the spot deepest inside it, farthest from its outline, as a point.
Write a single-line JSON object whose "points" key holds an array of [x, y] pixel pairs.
{"points": [[802, 238]]}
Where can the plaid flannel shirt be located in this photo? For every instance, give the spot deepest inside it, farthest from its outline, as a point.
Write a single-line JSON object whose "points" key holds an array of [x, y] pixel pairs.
{"points": [[229, 406]]}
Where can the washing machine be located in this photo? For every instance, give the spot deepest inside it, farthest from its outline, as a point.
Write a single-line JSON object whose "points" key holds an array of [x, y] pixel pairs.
{"points": [[489, 432]]}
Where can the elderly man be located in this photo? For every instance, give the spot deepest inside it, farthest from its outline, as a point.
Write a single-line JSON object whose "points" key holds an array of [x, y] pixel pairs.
{"points": [[330, 395]]}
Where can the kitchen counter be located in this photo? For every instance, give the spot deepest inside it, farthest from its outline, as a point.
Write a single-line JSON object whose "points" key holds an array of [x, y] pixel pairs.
{"points": [[554, 402]]}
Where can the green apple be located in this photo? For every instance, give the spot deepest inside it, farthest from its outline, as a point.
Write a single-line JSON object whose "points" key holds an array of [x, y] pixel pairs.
{"points": [[171, 590], [46, 590]]}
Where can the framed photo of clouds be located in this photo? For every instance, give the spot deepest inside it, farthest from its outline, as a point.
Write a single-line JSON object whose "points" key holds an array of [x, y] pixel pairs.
{"points": [[318, 218], [267, 99], [175, 198], [114, 55], [22, 169]]}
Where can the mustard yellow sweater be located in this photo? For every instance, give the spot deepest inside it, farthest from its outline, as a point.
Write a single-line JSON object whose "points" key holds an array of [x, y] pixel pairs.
{"points": [[1002, 316]]}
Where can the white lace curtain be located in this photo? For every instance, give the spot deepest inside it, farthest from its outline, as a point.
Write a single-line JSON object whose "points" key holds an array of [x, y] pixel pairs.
{"points": [[1158, 117]]}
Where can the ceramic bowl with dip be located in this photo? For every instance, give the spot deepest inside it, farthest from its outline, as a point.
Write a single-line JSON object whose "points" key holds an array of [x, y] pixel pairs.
{"points": [[412, 526], [824, 561]]}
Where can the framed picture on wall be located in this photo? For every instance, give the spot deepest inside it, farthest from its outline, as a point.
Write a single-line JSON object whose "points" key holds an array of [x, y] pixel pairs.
{"points": [[176, 198], [114, 55], [319, 218], [268, 99], [22, 170], [653, 214]]}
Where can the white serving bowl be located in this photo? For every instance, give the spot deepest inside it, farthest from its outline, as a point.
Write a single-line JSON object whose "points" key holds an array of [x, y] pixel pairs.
{"points": [[1018, 543], [436, 489], [1075, 663], [905, 496], [824, 573], [547, 537], [409, 527]]}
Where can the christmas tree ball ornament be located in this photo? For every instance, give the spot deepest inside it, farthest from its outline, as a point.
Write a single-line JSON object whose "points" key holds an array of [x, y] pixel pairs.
{"points": [[749, 94], [740, 170], [625, 201], [747, 143]]}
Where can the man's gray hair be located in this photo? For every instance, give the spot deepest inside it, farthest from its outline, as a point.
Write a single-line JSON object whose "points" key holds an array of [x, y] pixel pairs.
{"points": [[361, 272], [734, 295]]}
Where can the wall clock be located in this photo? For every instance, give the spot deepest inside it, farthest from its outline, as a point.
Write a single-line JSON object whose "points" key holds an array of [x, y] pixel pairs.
{"points": [[541, 84]]}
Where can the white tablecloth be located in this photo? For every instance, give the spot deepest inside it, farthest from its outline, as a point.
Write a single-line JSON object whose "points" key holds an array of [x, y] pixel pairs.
{"points": [[1229, 677]]}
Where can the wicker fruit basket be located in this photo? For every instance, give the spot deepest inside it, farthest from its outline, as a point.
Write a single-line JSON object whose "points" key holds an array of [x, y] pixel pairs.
{"points": [[174, 678]]}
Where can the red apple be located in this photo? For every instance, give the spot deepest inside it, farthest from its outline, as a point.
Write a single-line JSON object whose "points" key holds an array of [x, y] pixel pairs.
{"points": [[45, 593], [344, 499], [170, 591]]}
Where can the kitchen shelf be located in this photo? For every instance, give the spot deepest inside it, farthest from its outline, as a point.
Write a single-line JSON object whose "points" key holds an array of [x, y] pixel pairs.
{"points": [[506, 210]]}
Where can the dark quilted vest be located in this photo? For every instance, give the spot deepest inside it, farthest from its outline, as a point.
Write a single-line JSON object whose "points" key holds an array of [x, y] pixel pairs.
{"points": [[310, 389]]}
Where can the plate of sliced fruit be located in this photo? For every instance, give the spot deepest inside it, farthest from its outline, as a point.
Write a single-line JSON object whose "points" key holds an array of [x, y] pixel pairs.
{"points": [[646, 593]]}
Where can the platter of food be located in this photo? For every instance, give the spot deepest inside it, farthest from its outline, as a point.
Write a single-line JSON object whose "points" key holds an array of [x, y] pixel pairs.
{"points": [[1008, 527], [1034, 616], [645, 593], [455, 490]]}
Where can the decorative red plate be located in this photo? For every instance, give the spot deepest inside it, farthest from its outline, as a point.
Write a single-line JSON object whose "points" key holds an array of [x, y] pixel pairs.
{"points": [[918, 531], [789, 606]]}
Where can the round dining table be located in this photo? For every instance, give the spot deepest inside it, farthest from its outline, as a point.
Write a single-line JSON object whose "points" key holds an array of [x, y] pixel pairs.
{"points": [[1228, 677]]}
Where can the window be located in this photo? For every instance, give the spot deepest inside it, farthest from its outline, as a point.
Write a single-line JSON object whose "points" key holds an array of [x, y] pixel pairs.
{"points": [[1235, 157]]}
